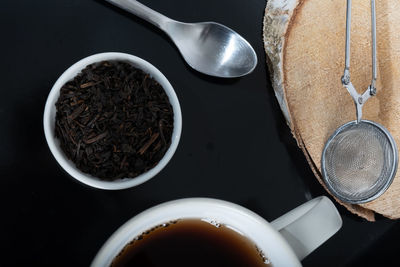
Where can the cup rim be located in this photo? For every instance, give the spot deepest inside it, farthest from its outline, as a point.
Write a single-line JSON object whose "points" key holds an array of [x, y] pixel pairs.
{"points": [[241, 219], [68, 165]]}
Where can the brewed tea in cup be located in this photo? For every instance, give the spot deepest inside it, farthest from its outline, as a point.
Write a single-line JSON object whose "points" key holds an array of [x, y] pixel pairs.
{"points": [[191, 242]]}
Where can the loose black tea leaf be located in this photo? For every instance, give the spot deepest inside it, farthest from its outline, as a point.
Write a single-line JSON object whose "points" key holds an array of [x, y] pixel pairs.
{"points": [[113, 120]]}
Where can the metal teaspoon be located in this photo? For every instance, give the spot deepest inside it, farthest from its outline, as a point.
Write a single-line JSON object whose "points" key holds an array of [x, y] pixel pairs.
{"points": [[207, 47]]}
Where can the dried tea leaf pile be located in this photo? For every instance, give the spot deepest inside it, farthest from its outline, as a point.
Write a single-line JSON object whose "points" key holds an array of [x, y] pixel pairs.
{"points": [[113, 120]]}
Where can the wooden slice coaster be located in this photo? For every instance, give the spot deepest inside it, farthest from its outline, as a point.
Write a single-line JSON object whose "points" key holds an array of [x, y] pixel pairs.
{"points": [[305, 43]]}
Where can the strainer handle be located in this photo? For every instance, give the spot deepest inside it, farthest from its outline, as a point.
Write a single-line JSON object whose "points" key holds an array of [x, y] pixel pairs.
{"points": [[372, 87], [308, 226], [346, 74], [359, 100]]}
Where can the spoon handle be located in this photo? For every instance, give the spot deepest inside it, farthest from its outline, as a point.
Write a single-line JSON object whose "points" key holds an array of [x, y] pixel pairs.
{"points": [[142, 11]]}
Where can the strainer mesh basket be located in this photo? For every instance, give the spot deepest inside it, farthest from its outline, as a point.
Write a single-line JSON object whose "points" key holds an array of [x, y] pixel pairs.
{"points": [[359, 161]]}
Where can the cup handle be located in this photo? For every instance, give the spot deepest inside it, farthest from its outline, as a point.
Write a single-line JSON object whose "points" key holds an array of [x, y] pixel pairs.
{"points": [[308, 226]]}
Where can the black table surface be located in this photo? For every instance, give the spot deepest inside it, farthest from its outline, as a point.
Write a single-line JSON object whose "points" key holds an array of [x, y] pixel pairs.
{"points": [[235, 144]]}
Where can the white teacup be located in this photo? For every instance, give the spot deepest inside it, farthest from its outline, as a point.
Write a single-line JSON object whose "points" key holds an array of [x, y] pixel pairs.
{"points": [[285, 241]]}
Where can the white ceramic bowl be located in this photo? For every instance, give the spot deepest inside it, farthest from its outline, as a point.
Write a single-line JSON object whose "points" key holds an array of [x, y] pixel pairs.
{"points": [[50, 115]]}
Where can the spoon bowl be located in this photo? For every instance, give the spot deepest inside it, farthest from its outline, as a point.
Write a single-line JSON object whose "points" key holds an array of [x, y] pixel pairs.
{"points": [[213, 49], [208, 47]]}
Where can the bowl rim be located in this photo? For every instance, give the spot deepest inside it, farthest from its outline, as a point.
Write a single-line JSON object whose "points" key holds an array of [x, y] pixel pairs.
{"points": [[50, 112]]}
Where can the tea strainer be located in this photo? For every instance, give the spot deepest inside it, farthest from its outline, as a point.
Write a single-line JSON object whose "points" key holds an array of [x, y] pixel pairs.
{"points": [[359, 160]]}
